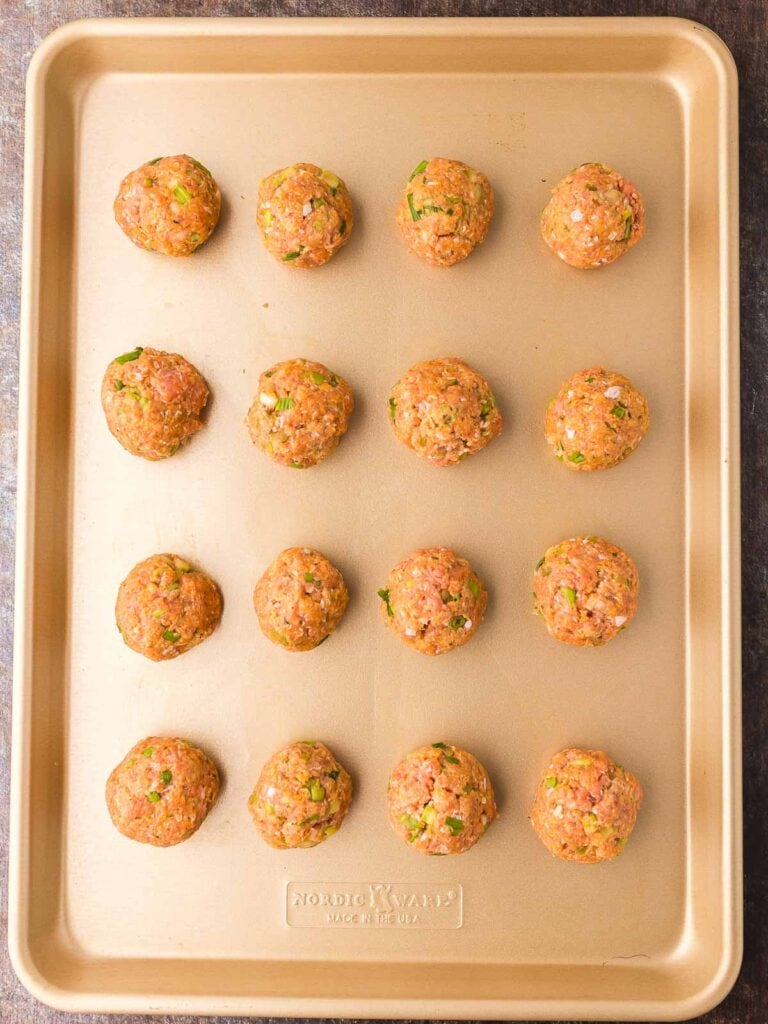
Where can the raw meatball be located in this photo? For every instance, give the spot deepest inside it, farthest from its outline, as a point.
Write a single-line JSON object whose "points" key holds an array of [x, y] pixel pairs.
{"points": [[153, 401], [445, 211], [305, 215], [596, 420], [440, 800], [586, 806], [300, 599], [161, 791], [169, 205], [585, 589], [300, 412], [444, 410], [433, 600], [302, 796], [165, 607], [593, 217]]}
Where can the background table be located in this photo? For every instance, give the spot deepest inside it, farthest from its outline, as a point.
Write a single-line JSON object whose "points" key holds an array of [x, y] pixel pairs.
{"points": [[743, 24]]}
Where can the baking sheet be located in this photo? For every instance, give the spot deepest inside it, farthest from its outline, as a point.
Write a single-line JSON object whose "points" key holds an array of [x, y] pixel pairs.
{"points": [[212, 926]]}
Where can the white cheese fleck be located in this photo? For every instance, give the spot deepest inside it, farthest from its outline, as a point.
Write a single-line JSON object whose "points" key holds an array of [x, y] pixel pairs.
{"points": [[468, 624], [268, 401], [620, 620], [570, 433], [306, 209], [612, 392], [577, 215]]}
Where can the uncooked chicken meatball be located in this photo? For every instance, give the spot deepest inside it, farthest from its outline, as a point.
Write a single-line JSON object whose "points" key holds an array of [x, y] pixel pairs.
{"points": [[444, 411], [440, 800], [586, 590], [586, 806], [594, 216], [596, 420], [302, 796], [162, 791], [169, 205], [300, 599], [153, 402], [304, 215], [300, 412], [433, 600], [165, 607], [445, 211]]}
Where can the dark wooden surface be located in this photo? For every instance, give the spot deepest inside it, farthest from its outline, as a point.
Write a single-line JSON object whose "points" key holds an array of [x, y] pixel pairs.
{"points": [[743, 24]]}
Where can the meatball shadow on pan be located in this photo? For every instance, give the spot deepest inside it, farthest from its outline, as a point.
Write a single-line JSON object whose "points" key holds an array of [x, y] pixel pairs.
{"points": [[353, 580], [220, 236], [498, 774], [358, 426], [503, 222]]}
